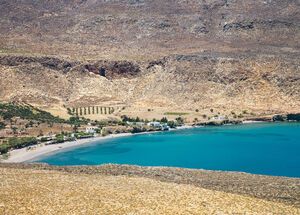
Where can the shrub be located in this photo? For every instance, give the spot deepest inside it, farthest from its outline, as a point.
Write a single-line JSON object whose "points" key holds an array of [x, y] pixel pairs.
{"points": [[76, 121], [4, 148], [176, 113], [180, 120], [172, 124], [2, 125], [164, 120], [60, 138], [70, 112], [17, 143], [137, 130]]}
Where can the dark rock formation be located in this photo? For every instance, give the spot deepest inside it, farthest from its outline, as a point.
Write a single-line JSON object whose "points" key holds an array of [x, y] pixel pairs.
{"points": [[238, 26], [48, 62]]}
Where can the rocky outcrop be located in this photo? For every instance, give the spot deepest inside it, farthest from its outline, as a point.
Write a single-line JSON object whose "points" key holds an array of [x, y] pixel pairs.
{"points": [[48, 62], [220, 122], [108, 69], [118, 69], [112, 69], [238, 26], [287, 117]]}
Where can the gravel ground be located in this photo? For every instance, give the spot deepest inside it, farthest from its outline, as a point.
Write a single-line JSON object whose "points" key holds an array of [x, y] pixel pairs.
{"points": [[278, 189], [37, 191]]}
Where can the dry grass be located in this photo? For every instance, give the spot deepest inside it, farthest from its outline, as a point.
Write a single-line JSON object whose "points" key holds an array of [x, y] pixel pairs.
{"points": [[52, 192]]}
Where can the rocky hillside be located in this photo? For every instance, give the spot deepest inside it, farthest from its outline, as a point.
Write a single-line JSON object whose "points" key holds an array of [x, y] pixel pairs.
{"points": [[117, 189], [152, 56]]}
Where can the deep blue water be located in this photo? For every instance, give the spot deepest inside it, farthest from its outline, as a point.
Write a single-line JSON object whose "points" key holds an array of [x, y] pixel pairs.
{"points": [[268, 148]]}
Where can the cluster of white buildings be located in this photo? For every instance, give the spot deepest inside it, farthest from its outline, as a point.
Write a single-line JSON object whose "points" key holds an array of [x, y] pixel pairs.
{"points": [[159, 125], [162, 126]]}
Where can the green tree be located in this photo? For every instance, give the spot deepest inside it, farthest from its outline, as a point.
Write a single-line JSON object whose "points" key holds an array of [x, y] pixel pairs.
{"points": [[180, 121], [164, 120], [2, 125]]}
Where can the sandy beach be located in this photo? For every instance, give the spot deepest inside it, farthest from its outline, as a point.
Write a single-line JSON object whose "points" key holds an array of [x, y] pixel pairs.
{"points": [[25, 154]]}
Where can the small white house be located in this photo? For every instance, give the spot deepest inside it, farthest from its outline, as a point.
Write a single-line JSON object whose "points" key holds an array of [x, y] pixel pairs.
{"points": [[165, 127], [91, 129], [135, 123], [218, 118], [162, 126], [154, 124]]}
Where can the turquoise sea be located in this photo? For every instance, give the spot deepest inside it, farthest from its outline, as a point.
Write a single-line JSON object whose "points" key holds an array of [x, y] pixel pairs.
{"points": [[260, 148]]}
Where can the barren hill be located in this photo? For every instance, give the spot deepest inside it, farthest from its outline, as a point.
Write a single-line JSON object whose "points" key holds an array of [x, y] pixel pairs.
{"points": [[152, 57]]}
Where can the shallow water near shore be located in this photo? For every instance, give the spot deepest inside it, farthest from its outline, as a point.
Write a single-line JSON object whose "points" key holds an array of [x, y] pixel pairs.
{"points": [[260, 148]]}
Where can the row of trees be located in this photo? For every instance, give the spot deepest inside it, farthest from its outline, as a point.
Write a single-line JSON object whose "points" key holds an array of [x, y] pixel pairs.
{"points": [[81, 111]]}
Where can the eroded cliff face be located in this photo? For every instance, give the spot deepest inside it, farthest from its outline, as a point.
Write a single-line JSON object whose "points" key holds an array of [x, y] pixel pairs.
{"points": [[162, 55]]}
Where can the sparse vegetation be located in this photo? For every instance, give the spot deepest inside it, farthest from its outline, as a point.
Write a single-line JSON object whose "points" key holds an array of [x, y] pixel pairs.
{"points": [[164, 120], [129, 119], [60, 138], [17, 143], [180, 121], [240, 116], [78, 121], [176, 113], [10, 110]]}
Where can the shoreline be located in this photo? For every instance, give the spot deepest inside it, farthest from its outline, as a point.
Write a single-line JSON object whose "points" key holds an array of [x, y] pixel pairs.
{"points": [[26, 155]]}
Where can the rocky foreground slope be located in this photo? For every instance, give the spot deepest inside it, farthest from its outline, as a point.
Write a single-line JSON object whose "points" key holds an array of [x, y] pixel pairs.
{"points": [[152, 57], [135, 190]]}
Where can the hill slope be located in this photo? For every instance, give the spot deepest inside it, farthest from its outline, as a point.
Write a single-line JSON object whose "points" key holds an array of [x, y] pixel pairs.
{"points": [[174, 55]]}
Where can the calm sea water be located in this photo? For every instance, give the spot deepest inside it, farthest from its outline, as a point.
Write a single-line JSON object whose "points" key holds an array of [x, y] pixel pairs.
{"points": [[268, 148]]}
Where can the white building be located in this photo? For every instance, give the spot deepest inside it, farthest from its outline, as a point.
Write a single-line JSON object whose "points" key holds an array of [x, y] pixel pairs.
{"points": [[91, 129], [218, 118], [163, 126], [154, 124]]}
